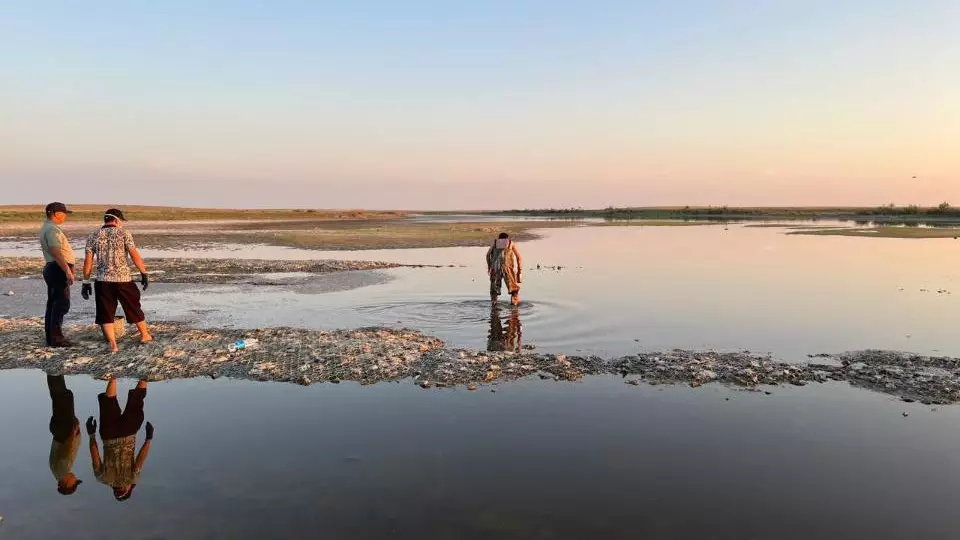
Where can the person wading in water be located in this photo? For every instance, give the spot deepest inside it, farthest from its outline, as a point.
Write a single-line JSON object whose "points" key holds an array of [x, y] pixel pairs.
{"points": [[504, 264]]}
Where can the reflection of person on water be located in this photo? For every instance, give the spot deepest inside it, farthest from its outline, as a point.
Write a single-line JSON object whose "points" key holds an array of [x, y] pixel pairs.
{"points": [[509, 340], [504, 264], [119, 469], [65, 429]]}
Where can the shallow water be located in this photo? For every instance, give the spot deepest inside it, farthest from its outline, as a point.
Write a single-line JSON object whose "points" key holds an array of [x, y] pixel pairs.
{"points": [[481, 218], [623, 289], [536, 459], [539, 459]]}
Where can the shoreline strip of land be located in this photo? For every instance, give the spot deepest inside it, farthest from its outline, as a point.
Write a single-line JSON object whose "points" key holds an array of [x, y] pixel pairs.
{"points": [[215, 271], [356, 230], [374, 355]]}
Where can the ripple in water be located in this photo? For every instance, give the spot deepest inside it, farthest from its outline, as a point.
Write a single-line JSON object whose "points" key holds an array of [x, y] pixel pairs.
{"points": [[469, 321]]}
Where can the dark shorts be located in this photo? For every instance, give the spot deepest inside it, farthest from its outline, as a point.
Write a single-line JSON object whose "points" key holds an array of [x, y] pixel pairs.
{"points": [[109, 293], [64, 419], [117, 424]]}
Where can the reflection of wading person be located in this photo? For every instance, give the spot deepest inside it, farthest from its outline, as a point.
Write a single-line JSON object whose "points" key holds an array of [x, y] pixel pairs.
{"points": [[119, 469], [110, 246], [509, 340], [504, 264]]}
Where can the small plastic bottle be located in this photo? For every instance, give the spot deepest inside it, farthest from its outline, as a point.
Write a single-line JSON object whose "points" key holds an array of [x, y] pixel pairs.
{"points": [[241, 344]]}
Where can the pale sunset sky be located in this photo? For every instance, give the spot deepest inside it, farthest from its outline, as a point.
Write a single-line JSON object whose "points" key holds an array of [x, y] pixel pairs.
{"points": [[495, 104]]}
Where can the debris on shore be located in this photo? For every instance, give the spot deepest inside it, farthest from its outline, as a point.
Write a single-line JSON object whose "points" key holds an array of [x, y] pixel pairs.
{"points": [[372, 355], [212, 271], [180, 351]]}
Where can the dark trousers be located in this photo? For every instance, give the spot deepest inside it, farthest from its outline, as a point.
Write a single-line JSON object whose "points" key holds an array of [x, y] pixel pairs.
{"points": [[64, 419], [58, 302]]}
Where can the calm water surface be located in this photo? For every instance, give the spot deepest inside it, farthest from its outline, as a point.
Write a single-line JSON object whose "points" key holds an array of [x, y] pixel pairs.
{"points": [[623, 289], [536, 459]]}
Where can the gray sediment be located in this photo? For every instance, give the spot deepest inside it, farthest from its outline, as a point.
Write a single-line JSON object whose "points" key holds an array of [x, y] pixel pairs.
{"points": [[27, 297], [211, 271], [372, 355]]}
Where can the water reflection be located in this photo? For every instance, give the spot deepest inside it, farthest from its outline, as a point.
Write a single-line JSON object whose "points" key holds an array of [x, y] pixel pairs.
{"points": [[65, 429], [119, 468], [500, 339]]}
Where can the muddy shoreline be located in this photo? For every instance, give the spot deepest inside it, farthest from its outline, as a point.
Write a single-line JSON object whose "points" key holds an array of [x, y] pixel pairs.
{"points": [[374, 355], [324, 234], [212, 271]]}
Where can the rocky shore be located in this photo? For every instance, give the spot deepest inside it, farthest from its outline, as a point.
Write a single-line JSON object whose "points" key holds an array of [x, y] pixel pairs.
{"points": [[173, 270], [372, 355]]}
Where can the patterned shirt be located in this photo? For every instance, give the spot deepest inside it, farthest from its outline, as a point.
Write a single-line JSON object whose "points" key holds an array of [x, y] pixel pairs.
{"points": [[51, 236], [119, 466], [110, 246]]}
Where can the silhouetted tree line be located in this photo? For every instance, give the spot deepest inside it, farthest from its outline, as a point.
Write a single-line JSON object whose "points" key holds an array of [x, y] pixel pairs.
{"points": [[943, 209]]}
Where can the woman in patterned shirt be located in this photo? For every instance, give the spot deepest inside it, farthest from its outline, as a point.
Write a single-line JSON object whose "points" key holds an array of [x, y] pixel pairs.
{"points": [[109, 247]]}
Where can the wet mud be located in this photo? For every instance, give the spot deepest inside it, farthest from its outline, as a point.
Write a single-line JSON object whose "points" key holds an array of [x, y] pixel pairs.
{"points": [[212, 271]]}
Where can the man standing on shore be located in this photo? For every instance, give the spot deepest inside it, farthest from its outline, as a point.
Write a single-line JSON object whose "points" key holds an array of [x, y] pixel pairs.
{"points": [[57, 273], [109, 246], [504, 264]]}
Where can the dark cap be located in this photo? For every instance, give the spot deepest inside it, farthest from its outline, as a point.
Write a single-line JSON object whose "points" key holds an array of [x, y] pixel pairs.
{"points": [[122, 495], [114, 212], [69, 491], [55, 207]]}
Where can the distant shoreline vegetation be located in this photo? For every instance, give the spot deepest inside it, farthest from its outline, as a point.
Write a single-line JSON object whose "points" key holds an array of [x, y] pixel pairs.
{"points": [[886, 214], [90, 212]]}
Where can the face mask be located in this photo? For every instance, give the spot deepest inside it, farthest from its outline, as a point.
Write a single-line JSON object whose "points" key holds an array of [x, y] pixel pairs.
{"points": [[116, 220]]}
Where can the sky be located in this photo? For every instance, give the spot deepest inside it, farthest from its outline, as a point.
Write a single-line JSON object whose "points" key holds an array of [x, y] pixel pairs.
{"points": [[469, 105]]}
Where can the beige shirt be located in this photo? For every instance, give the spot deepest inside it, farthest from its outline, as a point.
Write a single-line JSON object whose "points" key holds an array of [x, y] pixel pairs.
{"points": [[119, 466], [62, 455], [51, 236]]}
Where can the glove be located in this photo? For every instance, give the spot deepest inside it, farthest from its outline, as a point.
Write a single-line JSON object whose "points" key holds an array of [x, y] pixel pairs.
{"points": [[144, 280], [91, 426], [86, 290], [149, 431]]}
